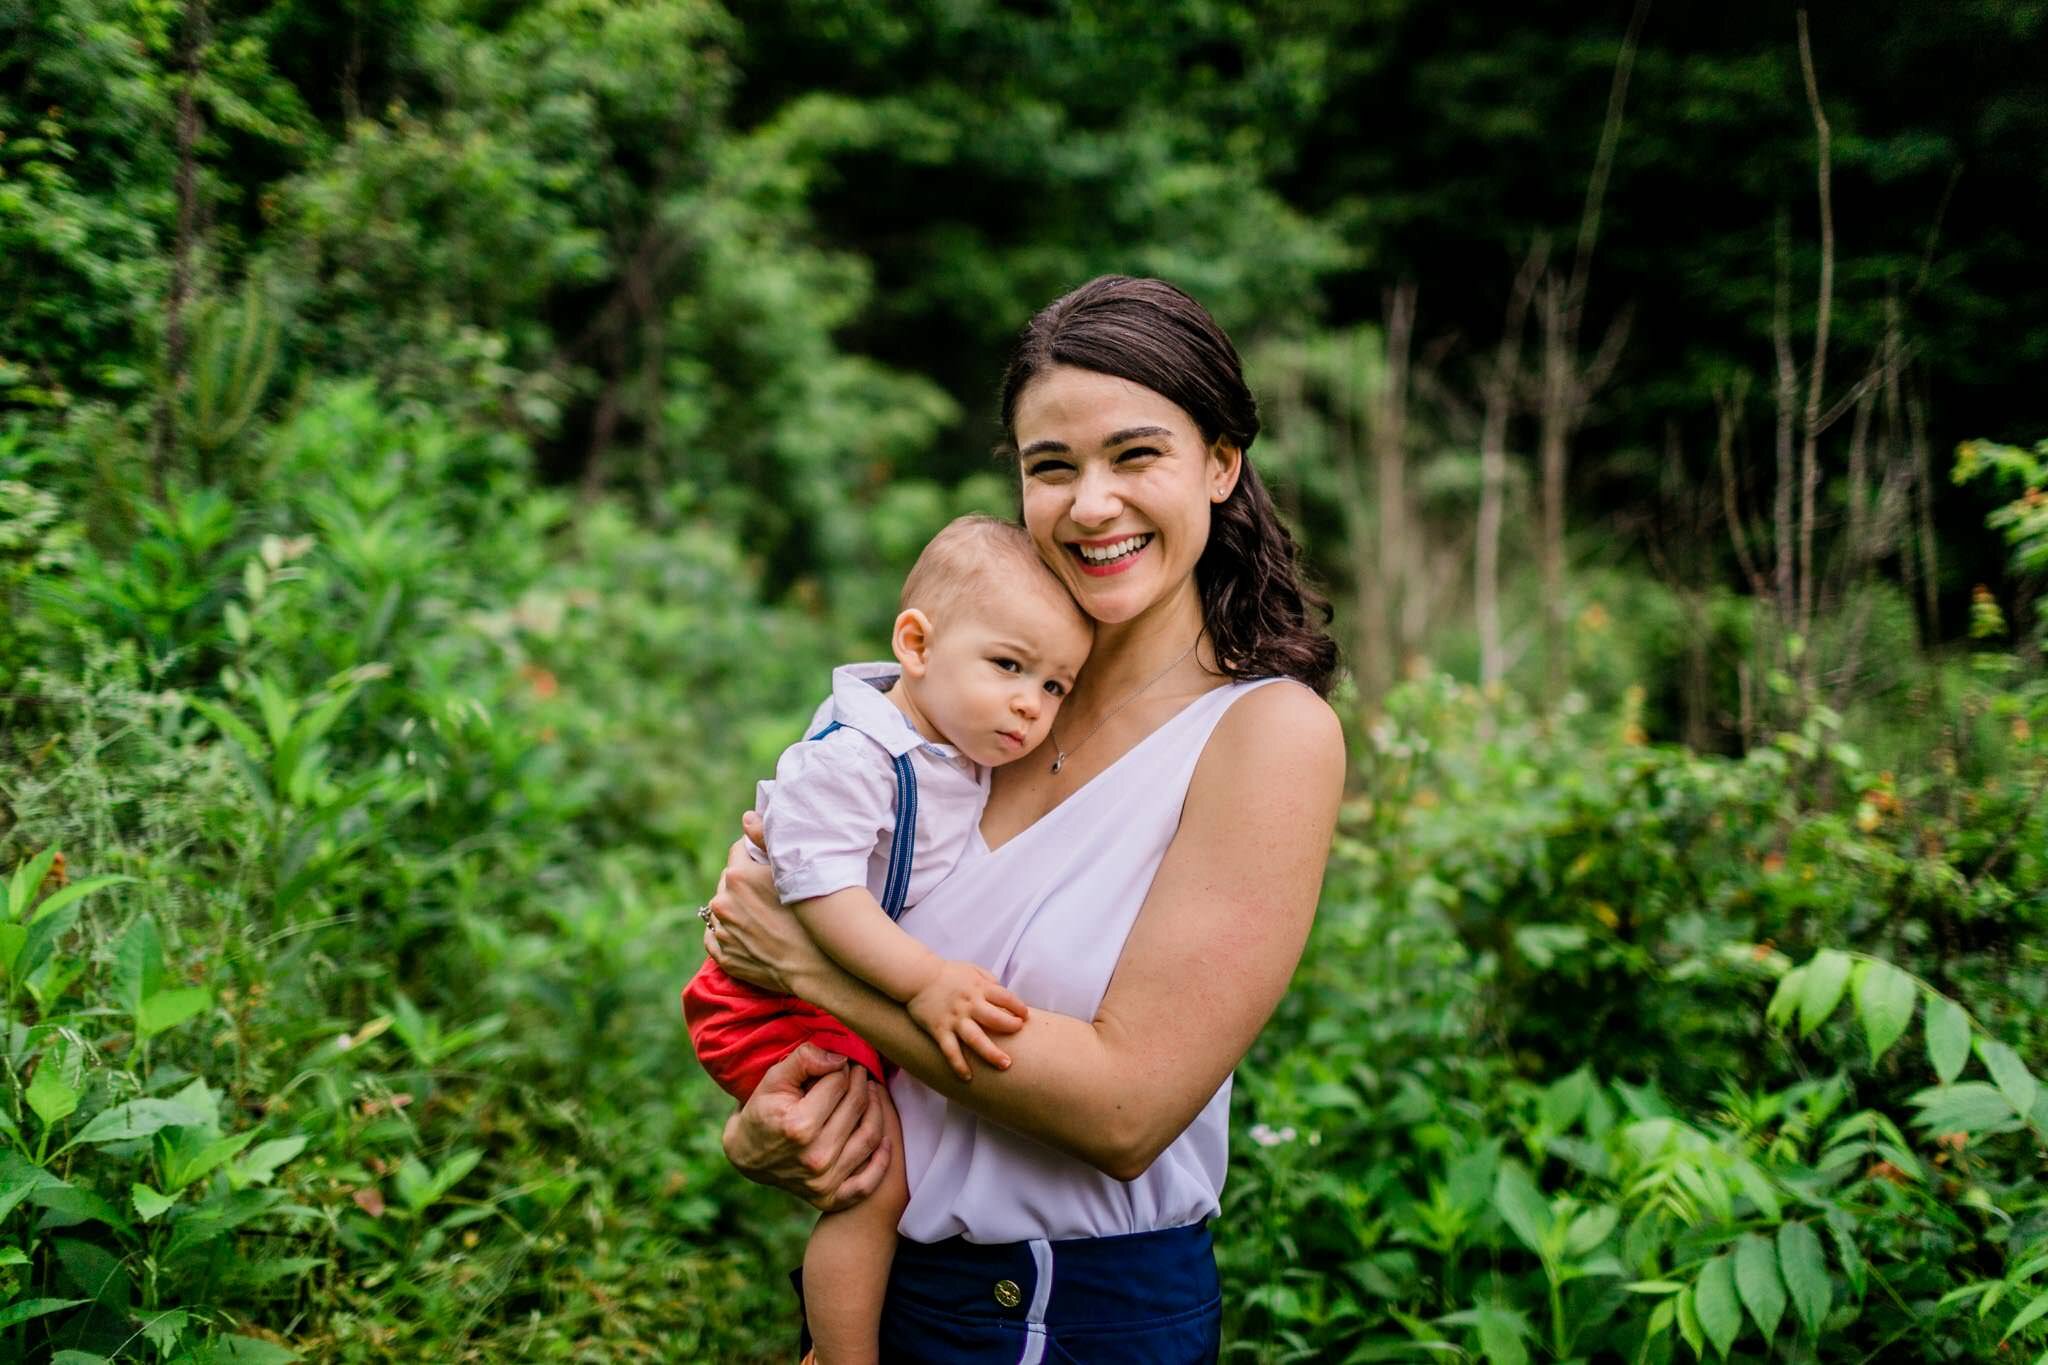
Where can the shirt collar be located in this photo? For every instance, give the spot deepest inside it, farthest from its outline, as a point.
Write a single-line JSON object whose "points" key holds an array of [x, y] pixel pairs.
{"points": [[859, 701]]}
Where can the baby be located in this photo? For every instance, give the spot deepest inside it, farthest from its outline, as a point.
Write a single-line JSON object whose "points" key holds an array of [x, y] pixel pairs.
{"points": [[866, 816]]}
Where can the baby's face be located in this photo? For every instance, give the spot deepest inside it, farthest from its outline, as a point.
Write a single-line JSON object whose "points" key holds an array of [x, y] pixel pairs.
{"points": [[997, 669]]}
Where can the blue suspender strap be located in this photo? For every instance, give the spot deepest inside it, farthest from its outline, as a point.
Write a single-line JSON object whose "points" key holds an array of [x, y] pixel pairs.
{"points": [[897, 888]]}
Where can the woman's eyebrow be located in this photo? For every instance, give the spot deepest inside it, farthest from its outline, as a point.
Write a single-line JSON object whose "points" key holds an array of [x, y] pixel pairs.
{"points": [[1042, 448], [1117, 438]]}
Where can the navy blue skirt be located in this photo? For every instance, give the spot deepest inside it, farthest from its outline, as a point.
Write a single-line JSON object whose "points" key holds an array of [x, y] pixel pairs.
{"points": [[1150, 1298]]}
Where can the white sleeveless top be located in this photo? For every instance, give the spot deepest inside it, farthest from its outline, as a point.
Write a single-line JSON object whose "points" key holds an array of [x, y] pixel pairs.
{"points": [[1048, 914]]}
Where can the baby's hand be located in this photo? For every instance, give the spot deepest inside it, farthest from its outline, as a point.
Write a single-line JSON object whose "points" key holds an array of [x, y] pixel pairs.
{"points": [[963, 1004]]}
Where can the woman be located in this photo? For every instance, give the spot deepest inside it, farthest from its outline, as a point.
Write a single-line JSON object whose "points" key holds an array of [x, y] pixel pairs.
{"points": [[1146, 886]]}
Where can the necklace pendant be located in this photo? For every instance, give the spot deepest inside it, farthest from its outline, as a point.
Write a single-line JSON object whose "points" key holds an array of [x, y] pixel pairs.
{"points": [[1059, 763]]}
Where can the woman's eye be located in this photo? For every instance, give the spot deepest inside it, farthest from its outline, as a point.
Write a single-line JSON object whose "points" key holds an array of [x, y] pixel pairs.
{"points": [[1138, 453], [1045, 469]]}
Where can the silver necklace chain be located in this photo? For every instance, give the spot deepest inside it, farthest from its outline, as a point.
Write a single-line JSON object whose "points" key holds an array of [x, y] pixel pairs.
{"points": [[1061, 755]]}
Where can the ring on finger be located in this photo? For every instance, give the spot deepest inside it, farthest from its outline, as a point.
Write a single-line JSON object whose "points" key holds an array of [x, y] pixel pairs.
{"points": [[710, 920]]}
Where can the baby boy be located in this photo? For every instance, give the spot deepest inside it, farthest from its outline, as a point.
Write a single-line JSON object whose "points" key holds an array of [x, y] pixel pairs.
{"points": [[866, 816]]}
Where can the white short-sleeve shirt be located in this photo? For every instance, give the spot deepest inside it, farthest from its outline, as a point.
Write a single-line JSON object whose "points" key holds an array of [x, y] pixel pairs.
{"points": [[831, 810]]}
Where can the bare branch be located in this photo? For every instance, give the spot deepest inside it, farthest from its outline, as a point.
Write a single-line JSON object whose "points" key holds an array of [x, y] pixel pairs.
{"points": [[1603, 162], [1809, 454]]}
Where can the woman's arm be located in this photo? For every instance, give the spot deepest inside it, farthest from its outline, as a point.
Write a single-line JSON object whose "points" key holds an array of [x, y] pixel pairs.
{"points": [[1207, 960]]}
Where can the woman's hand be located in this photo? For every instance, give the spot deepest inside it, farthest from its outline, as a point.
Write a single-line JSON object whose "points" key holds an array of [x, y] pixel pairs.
{"points": [[813, 1127], [752, 935]]}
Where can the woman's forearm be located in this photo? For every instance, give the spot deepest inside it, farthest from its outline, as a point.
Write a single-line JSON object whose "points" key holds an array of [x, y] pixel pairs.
{"points": [[1065, 1086]]}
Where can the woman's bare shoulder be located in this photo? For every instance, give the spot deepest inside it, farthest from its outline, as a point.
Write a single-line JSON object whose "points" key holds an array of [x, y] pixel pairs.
{"points": [[1283, 732]]}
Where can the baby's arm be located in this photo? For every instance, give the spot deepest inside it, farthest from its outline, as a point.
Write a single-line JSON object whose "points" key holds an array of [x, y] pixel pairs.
{"points": [[956, 1002]]}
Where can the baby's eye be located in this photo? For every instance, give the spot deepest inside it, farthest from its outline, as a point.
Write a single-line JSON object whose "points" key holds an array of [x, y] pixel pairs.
{"points": [[1053, 688], [1007, 665]]}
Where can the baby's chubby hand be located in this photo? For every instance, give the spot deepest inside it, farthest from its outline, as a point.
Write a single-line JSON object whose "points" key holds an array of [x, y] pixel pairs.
{"points": [[963, 1004]]}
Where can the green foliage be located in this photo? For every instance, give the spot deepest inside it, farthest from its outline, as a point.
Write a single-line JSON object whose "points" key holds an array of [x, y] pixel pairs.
{"points": [[385, 768]]}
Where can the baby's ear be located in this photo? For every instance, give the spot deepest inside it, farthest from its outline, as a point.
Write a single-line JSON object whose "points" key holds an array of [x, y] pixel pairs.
{"points": [[911, 641]]}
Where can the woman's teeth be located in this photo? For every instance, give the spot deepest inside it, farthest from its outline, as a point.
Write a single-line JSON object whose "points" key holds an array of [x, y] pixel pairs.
{"points": [[1115, 550]]}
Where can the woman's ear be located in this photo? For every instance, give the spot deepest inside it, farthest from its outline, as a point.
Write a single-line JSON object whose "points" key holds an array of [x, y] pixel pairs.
{"points": [[911, 641], [1226, 463]]}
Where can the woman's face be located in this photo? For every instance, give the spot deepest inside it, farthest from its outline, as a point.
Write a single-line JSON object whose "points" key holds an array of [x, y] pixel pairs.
{"points": [[1118, 484]]}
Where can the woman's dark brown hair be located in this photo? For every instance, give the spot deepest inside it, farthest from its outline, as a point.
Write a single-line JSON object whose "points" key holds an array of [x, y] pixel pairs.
{"points": [[1263, 618]]}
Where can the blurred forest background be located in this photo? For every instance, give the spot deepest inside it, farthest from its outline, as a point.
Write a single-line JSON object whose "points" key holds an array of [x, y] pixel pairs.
{"points": [[444, 445]]}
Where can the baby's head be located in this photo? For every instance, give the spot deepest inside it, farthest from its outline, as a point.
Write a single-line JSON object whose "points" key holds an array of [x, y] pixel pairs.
{"points": [[988, 639]]}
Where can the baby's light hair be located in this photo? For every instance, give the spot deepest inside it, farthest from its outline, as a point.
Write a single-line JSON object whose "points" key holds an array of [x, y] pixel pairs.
{"points": [[974, 559]]}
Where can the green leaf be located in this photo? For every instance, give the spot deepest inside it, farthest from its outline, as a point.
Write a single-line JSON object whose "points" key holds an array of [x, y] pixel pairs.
{"points": [[194, 1154], [48, 1094], [13, 1256], [136, 1118], [1948, 1037], [1967, 1107], [1842, 1228], [1806, 1274], [96, 1271], [2010, 1074], [41, 941], [2026, 1316], [138, 964], [28, 878], [149, 1204], [1590, 1229], [1756, 1278], [65, 1206], [163, 1329], [20, 1178], [1522, 1206], [79, 1358], [1562, 1101], [168, 1009], [458, 1165], [1689, 1323], [260, 1163], [24, 1309], [1720, 1312], [1785, 999], [78, 891], [1754, 1183], [1501, 1331], [12, 936], [1885, 997], [1827, 976]]}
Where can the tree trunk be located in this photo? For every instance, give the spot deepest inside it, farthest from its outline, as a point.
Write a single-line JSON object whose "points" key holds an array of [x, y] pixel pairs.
{"points": [[1553, 435], [1785, 396], [185, 184], [1389, 438], [1809, 452], [1500, 389]]}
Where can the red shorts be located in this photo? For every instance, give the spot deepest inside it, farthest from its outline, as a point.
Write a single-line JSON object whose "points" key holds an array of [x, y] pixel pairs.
{"points": [[740, 1031]]}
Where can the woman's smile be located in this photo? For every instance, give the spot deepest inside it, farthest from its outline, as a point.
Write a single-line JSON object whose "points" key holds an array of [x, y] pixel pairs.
{"points": [[1112, 555]]}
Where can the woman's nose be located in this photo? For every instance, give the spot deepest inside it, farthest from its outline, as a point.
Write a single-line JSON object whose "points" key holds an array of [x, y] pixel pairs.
{"points": [[1095, 501]]}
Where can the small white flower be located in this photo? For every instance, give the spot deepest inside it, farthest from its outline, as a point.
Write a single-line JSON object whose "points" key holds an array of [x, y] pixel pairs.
{"points": [[1267, 1137]]}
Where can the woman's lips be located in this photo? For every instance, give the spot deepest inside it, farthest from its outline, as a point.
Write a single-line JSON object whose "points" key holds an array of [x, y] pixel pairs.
{"points": [[1115, 566]]}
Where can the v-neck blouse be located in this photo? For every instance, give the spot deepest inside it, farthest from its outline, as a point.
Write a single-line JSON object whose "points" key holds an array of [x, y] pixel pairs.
{"points": [[1048, 911]]}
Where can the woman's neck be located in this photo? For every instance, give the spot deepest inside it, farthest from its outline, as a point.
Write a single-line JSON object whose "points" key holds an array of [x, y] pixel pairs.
{"points": [[1129, 654]]}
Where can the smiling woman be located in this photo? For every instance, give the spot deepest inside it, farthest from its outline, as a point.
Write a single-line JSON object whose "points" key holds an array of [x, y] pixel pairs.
{"points": [[1173, 852]]}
